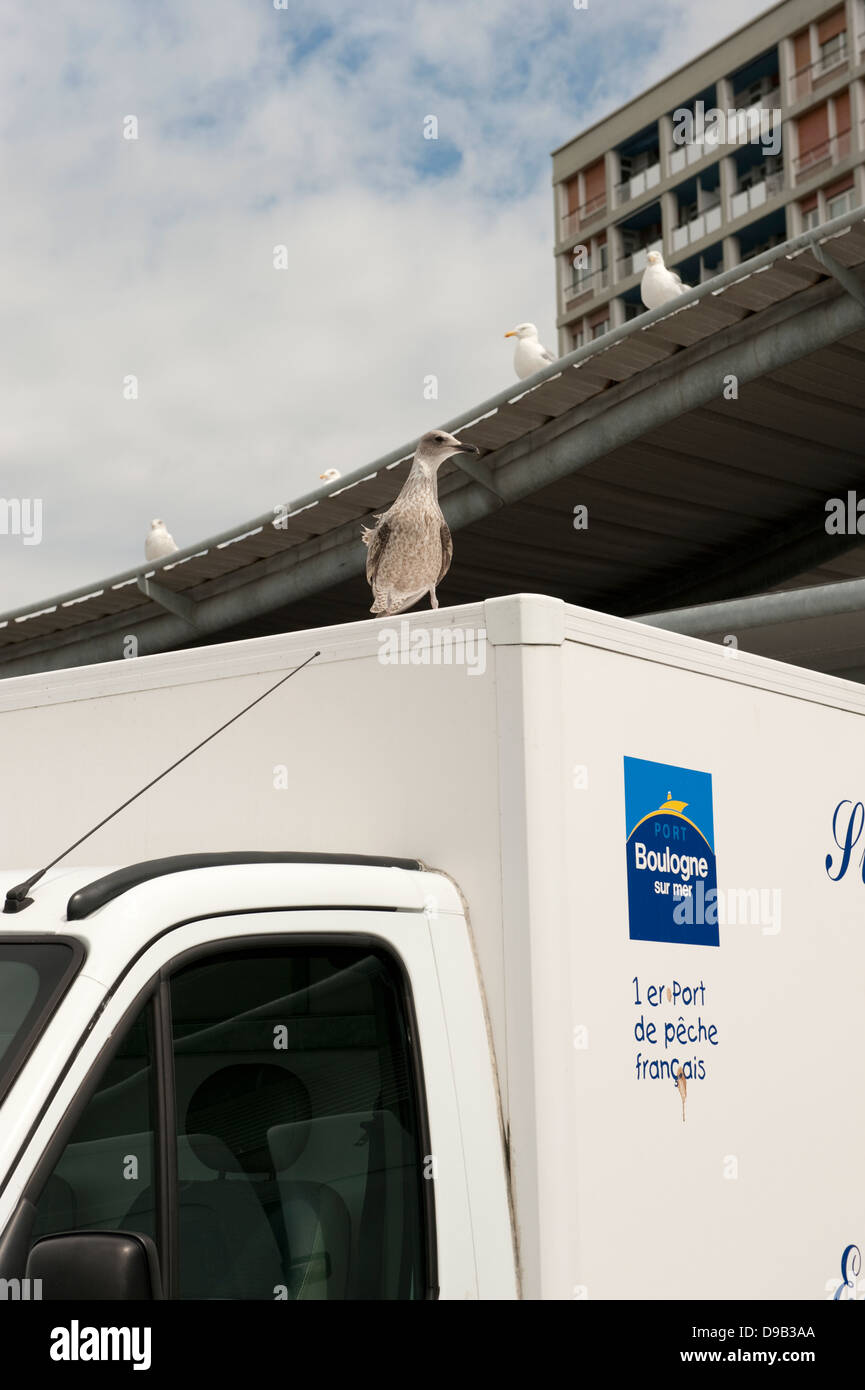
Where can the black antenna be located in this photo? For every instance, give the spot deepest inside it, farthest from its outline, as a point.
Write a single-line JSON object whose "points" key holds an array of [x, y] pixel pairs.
{"points": [[17, 899]]}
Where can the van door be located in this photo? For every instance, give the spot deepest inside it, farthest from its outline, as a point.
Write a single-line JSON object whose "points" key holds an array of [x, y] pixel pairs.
{"points": [[276, 1111]]}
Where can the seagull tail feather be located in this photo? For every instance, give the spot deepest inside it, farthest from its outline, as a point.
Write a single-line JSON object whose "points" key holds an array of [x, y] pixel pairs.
{"points": [[387, 605]]}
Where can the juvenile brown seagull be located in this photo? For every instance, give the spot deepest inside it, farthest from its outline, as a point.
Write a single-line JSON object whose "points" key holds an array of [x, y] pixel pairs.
{"points": [[410, 549]]}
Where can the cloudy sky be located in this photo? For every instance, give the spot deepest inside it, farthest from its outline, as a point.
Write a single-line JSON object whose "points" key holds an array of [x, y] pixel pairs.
{"points": [[260, 127]]}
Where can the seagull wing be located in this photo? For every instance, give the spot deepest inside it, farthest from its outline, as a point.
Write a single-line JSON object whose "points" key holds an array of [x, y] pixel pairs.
{"points": [[447, 551], [377, 541], [547, 356]]}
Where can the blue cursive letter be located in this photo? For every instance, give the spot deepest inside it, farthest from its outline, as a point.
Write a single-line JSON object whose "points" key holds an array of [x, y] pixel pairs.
{"points": [[850, 837], [856, 1263]]}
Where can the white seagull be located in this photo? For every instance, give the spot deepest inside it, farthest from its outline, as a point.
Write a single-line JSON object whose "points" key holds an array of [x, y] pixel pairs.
{"points": [[158, 543], [659, 284], [530, 356]]}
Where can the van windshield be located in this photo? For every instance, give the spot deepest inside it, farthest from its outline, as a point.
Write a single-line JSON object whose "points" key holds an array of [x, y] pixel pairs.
{"points": [[33, 976]]}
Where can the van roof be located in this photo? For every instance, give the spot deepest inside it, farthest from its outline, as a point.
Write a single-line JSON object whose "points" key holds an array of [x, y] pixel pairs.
{"points": [[103, 890]]}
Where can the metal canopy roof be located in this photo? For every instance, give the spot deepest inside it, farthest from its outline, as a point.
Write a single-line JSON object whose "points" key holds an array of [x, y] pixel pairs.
{"points": [[822, 627], [691, 497]]}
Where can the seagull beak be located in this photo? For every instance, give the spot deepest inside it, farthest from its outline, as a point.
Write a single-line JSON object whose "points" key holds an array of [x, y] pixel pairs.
{"points": [[467, 449], [512, 334]]}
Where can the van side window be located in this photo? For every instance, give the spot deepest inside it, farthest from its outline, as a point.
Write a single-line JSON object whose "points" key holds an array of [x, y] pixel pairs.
{"points": [[298, 1146], [107, 1165], [300, 1166]]}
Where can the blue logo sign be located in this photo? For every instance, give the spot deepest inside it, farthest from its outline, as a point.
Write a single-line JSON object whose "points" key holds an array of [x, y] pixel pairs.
{"points": [[672, 882]]}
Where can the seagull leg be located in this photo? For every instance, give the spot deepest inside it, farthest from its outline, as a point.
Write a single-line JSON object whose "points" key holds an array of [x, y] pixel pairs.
{"points": [[434, 603]]}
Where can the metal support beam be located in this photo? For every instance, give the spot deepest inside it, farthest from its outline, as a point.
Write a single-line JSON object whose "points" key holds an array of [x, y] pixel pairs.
{"points": [[842, 274], [180, 604], [479, 472], [763, 610]]}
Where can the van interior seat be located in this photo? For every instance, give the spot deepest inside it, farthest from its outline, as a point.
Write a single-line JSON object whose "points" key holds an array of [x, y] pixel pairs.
{"points": [[338, 1152], [227, 1247], [237, 1105]]}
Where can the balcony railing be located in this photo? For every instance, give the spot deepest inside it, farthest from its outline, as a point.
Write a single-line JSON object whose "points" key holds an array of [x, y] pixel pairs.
{"points": [[839, 204], [828, 65], [767, 101], [828, 152], [684, 155], [587, 285], [572, 221], [638, 183], [636, 261], [747, 199], [708, 220]]}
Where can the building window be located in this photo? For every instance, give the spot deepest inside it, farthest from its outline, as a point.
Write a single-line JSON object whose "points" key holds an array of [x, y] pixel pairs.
{"points": [[599, 329], [595, 180], [839, 204], [832, 52], [577, 339], [815, 146], [811, 218]]}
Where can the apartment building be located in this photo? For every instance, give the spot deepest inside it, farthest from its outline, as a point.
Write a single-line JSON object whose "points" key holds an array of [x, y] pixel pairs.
{"points": [[756, 140]]}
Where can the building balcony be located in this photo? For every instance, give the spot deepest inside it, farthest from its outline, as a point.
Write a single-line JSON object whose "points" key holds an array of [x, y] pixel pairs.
{"points": [[745, 200], [585, 287], [635, 262], [708, 220], [749, 100], [683, 155], [822, 156], [573, 221], [809, 78], [638, 183]]}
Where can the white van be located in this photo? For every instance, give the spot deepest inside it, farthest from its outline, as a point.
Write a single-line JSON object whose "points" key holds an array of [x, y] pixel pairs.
{"points": [[507, 950]]}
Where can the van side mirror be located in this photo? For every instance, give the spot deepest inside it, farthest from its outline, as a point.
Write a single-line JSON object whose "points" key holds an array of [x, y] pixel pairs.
{"points": [[89, 1265]]}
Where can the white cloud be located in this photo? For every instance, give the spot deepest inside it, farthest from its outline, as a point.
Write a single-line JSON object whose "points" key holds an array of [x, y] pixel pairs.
{"points": [[154, 256]]}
